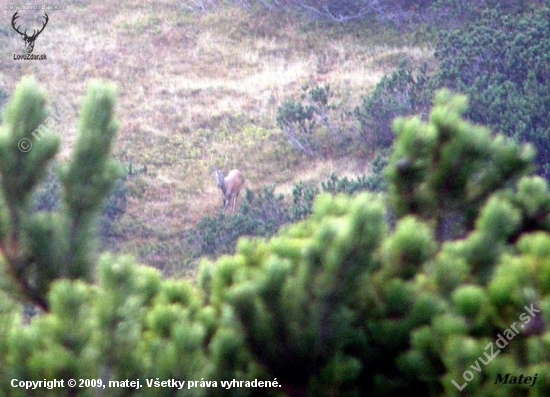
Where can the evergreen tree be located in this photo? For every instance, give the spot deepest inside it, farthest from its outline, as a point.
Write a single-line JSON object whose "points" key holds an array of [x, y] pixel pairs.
{"points": [[343, 303]]}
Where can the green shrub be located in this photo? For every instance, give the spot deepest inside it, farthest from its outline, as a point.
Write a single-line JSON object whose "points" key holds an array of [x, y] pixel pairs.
{"points": [[303, 196], [309, 126], [340, 304], [453, 14], [373, 183], [263, 213], [402, 93], [260, 214], [500, 60], [47, 197]]}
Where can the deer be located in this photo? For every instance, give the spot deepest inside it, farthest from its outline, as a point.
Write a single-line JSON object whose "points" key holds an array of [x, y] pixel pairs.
{"points": [[29, 40], [230, 186]]}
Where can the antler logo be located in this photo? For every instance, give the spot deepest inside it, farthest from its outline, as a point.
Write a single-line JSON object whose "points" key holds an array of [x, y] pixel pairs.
{"points": [[29, 40]]}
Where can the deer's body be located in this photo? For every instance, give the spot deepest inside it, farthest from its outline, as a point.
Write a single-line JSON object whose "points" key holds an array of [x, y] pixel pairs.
{"points": [[230, 186]]}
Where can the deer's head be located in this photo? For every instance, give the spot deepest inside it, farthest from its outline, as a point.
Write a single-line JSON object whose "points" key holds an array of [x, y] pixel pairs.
{"points": [[29, 40]]}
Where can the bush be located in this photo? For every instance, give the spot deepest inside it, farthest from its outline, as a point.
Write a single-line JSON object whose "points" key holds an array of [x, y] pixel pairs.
{"points": [[297, 123], [500, 61], [309, 124], [47, 197], [341, 304], [402, 93], [303, 196], [263, 213], [338, 304], [453, 14], [306, 125], [372, 183]]}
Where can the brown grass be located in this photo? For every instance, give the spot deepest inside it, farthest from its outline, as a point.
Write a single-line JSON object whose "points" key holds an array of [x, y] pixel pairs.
{"points": [[198, 90]]}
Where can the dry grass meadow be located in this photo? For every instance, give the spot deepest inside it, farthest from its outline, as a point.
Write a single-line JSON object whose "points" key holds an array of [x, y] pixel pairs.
{"points": [[197, 90]]}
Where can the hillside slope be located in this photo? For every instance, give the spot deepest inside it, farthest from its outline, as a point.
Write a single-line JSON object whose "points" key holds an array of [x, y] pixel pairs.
{"points": [[197, 90]]}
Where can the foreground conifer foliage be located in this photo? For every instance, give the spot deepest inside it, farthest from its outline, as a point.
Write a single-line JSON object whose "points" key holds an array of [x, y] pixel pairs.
{"points": [[441, 288]]}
